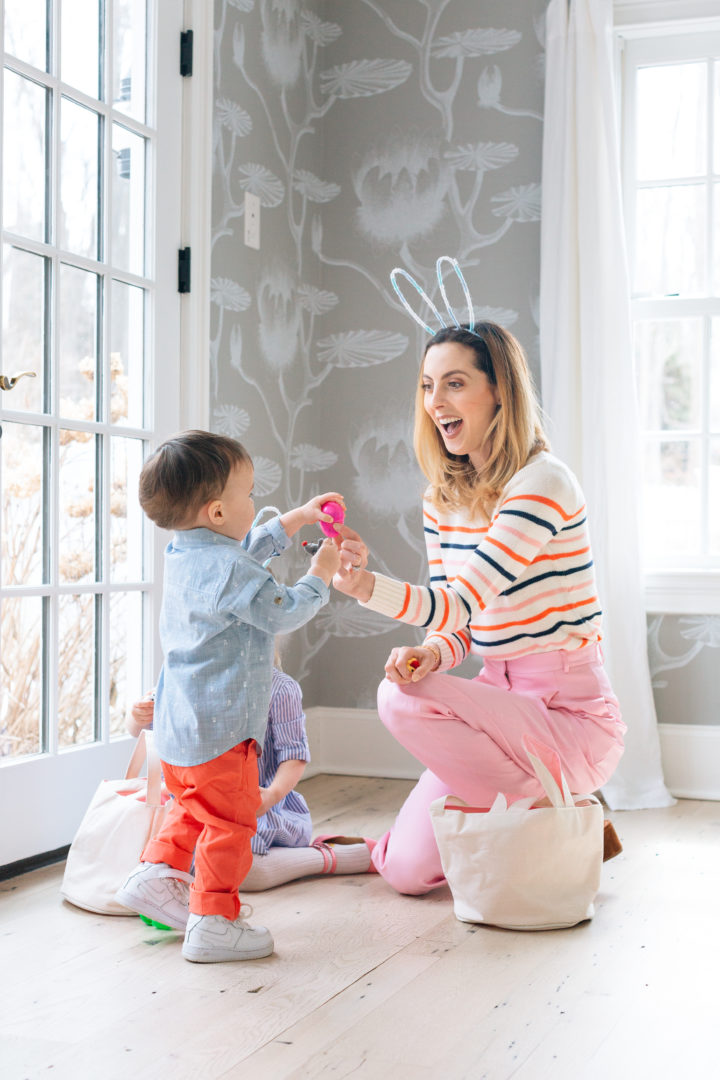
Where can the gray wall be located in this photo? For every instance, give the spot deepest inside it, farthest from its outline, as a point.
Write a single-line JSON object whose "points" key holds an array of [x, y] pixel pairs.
{"points": [[683, 666], [377, 133]]}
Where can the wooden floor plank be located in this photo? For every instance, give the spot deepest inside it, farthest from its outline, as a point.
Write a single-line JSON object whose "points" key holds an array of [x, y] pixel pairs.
{"points": [[366, 983]]}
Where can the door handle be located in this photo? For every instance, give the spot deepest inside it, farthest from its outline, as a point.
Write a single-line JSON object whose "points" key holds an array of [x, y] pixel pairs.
{"points": [[8, 381]]}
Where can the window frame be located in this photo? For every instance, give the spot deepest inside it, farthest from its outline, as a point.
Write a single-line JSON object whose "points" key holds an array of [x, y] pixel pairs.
{"points": [[657, 28], [178, 397]]}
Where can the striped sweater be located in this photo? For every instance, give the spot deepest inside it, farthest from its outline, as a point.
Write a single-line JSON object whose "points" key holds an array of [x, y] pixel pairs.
{"points": [[522, 583]]}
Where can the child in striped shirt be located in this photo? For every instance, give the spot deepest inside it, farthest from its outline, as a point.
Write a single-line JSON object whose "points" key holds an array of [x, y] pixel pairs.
{"points": [[282, 848], [511, 581]]}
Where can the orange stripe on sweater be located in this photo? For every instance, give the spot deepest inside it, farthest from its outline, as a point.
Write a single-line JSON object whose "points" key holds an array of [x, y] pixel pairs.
{"points": [[463, 528], [507, 550], [537, 597], [546, 502], [468, 586], [543, 614], [562, 555], [446, 613], [408, 594], [450, 644]]}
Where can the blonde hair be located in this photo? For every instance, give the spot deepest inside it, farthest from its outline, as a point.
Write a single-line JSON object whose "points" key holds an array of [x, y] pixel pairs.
{"points": [[514, 435]]}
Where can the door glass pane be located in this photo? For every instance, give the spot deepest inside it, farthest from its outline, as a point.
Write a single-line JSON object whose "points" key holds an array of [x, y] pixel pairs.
{"points": [[21, 453], [78, 210], [125, 513], [128, 212], [127, 354], [668, 357], [126, 643], [670, 241], [672, 478], [77, 344], [130, 21], [672, 121], [715, 376], [714, 497], [26, 31], [24, 327], [24, 126], [76, 653], [79, 45], [77, 506], [20, 676]]}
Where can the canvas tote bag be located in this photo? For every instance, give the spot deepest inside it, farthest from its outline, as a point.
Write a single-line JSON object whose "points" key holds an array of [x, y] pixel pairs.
{"points": [[122, 817], [518, 867]]}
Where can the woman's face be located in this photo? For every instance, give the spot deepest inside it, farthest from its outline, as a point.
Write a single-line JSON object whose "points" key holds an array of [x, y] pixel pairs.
{"points": [[460, 400]]}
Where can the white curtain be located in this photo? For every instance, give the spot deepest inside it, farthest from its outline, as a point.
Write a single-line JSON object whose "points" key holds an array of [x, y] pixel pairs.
{"points": [[588, 388]]}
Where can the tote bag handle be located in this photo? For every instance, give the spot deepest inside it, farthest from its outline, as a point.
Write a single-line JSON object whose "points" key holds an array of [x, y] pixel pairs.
{"points": [[145, 748]]}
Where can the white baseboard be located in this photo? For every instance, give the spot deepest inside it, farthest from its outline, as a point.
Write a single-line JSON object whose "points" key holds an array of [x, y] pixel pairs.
{"points": [[691, 760], [353, 742]]}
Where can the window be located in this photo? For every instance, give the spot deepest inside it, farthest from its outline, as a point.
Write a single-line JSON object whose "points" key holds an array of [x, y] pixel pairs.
{"points": [[671, 175], [90, 122]]}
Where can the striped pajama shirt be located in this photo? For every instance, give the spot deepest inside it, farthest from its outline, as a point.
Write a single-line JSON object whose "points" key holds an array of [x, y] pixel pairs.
{"points": [[287, 823]]}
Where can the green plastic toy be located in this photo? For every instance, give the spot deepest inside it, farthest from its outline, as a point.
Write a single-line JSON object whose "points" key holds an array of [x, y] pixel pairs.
{"points": [[151, 922]]}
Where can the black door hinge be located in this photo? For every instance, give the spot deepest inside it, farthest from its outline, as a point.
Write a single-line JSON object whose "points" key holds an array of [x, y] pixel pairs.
{"points": [[184, 270], [186, 52]]}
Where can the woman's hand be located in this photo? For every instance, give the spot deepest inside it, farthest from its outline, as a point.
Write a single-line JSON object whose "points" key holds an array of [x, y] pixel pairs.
{"points": [[353, 549], [407, 664], [352, 578]]}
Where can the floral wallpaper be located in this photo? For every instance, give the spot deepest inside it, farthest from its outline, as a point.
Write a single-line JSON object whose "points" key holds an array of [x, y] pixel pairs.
{"points": [[683, 667], [376, 134]]}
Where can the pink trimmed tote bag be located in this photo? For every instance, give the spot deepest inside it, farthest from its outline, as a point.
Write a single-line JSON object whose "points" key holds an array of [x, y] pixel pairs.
{"points": [[523, 867], [122, 816]]}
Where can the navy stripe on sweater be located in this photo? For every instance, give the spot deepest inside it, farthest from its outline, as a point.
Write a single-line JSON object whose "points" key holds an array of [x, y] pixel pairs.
{"points": [[539, 634], [530, 517], [548, 574]]}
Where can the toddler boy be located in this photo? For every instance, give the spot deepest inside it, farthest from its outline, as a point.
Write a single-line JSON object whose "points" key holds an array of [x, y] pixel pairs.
{"points": [[220, 612]]}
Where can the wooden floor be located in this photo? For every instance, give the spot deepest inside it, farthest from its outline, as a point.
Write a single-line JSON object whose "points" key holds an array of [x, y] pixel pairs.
{"points": [[366, 983]]}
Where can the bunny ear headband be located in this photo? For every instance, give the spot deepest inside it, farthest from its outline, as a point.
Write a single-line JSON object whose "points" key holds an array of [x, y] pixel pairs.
{"points": [[399, 272]]}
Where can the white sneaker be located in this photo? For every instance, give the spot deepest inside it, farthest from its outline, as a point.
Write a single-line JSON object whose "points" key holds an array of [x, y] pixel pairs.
{"points": [[210, 939], [158, 892]]}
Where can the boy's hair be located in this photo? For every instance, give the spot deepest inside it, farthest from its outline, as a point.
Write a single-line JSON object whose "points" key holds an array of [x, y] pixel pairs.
{"points": [[185, 473], [514, 435]]}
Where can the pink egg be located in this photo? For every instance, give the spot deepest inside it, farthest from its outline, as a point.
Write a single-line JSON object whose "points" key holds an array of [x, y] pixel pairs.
{"points": [[337, 512]]}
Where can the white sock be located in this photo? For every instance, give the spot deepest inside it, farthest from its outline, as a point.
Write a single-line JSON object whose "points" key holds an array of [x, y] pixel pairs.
{"points": [[350, 858], [282, 864]]}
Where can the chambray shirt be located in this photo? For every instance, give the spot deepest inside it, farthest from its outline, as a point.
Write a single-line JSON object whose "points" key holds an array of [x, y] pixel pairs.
{"points": [[220, 613]]}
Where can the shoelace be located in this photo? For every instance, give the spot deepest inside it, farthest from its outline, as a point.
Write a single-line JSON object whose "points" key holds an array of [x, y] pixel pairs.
{"points": [[244, 914], [179, 889]]}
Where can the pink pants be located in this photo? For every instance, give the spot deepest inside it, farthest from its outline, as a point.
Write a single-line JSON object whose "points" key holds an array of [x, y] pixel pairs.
{"points": [[468, 733]]}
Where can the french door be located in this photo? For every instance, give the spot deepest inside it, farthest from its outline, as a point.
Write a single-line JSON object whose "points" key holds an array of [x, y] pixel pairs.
{"points": [[92, 130]]}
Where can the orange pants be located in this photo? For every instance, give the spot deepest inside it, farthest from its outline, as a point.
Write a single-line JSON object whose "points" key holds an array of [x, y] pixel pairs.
{"points": [[213, 816]]}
